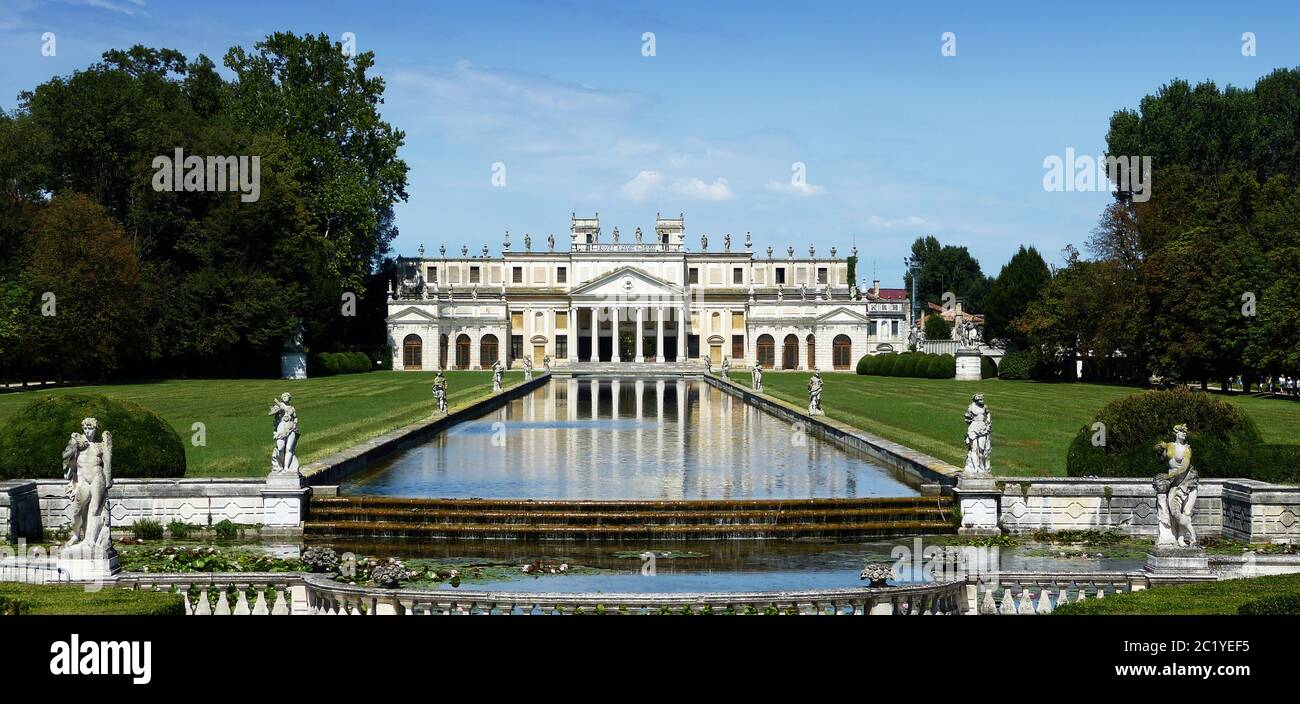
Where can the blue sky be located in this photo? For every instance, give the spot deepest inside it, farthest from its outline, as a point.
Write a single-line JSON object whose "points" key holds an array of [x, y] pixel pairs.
{"points": [[897, 140]]}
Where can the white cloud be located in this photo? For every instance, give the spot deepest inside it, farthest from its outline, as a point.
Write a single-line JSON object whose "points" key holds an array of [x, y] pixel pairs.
{"points": [[697, 188], [802, 188], [642, 186]]}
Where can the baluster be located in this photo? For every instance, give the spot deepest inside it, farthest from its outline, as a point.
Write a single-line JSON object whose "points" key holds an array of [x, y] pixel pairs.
{"points": [[1045, 601], [202, 607], [987, 606], [1026, 603], [241, 600], [223, 603], [280, 608], [1008, 606], [259, 607]]}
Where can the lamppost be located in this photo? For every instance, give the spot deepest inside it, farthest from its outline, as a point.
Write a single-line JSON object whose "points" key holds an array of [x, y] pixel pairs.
{"points": [[913, 266]]}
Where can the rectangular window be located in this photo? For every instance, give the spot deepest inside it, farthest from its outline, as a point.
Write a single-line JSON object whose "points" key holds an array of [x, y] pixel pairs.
{"points": [[693, 276], [561, 320], [433, 275], [895, 327], [517, 275], [737, 346], [562, 275], [516, 346], [473, 275], [780, 275], [737, 275], [562, 348], [822, 275], [517, 321], [737, 320], [871, 328]]}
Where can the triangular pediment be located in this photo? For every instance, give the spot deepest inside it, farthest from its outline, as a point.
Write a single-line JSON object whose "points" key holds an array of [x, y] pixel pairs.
{"points": [[841, 315], [629, 282], [412, 314]]}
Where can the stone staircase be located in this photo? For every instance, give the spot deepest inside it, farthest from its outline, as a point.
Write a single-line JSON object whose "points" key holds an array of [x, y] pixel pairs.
{"points": [[504, 519]]}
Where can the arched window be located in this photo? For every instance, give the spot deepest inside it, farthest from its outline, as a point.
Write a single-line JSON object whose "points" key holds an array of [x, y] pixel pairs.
{"points": [[790, 353], [812, 351], [766, 352], [487, 351], [462, 352], [412, 352], [841, 352]]}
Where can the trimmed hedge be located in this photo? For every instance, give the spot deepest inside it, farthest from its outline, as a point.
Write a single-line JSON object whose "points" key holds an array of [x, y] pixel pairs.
{"points": [[74, 600], [988, 369], [1281, 605], [1225, 441], [922, 365], [1015, 366], [144, 445], [332, 363]]}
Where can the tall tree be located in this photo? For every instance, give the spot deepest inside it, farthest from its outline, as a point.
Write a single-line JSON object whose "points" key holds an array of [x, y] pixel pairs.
{"points": [[1019, 283]]}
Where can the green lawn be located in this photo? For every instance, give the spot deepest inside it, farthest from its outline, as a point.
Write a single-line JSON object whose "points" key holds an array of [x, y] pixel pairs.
{"points": [[1206, 598], [67, 600], [336, 412], [1033, 423]]}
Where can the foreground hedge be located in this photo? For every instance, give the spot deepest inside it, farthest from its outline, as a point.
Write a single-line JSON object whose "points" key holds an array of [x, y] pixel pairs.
{"points": [[65, 600], [1224, 597], [1225, 441], [331, 363], [144, 445], [921, 365]]}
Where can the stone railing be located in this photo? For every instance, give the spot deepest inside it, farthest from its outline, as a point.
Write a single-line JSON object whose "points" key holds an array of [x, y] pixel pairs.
{"points": [[1026, 593], [228, 594]]}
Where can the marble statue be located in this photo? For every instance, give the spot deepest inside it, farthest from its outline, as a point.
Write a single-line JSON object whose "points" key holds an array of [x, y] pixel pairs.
{"points": [[440, 391], [853, 292], [546, 363], [442, 250], [708, 364], [704, 243], [284, 457], [550, 243], [497, 371], [803, 292], [464, 251], [528, 369], [473, 292], [815, 393], [726, 367], [1176, 492], [726, 242], [911, 337], [756, 378], [638, 235], [979, 429], [528, 242], [88, 467], [615, 235]]}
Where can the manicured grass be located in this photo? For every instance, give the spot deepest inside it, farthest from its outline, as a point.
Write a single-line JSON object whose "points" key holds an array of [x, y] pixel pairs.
{"points": [[1189, 599], [1033, 423], [66, 600], [336, 412]]}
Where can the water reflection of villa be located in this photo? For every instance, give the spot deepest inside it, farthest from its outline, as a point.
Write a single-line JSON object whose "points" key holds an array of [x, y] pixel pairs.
{"points": [[593, 302]]}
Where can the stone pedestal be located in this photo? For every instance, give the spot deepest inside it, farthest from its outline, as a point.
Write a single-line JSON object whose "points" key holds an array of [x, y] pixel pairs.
{"points": [[87, 569], [979, 498], [293, 365], [968, 364], [1170, 563], [284, 501]]}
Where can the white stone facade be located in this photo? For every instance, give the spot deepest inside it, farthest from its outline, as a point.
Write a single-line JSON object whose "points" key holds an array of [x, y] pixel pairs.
{"points": [[466, 312]]}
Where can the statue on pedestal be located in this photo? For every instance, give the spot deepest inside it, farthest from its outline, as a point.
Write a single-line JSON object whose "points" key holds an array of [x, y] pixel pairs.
{"points": [[284, 457], [440, 391], [1176, 492], [708, 364], [979, 430], [726, 367], [528, 369], [546, 363], [88, 467], [497, 370], [815, 393], [756, 378]]}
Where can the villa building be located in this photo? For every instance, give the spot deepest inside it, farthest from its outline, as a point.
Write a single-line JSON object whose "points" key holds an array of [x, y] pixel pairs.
{"points": [[639, 299]]}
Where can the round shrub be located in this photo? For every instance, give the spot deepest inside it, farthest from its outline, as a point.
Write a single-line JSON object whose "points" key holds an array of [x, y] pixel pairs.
{"points": [[943, 366], [1015, 366], [906, 364], [988, 369], [886, 364], [864, 364], [1224, 439], [144, 445]]}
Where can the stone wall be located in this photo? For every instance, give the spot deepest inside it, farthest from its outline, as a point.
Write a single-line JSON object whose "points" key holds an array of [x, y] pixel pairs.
{"points": [[1238, 509], [199, 502]]}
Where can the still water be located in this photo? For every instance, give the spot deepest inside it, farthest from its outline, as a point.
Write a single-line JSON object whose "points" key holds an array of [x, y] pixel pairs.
{"points": [[627, 439]]}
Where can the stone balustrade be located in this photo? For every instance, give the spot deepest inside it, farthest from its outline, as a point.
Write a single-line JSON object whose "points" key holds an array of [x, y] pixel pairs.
{"points": [[212, 594], [1026, 593]]}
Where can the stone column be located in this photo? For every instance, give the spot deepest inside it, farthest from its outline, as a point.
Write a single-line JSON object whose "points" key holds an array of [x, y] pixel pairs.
{"points": [[681, 334], [571, 334], [474, 347], [639, 342], [659, 335], [595, 337]]}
